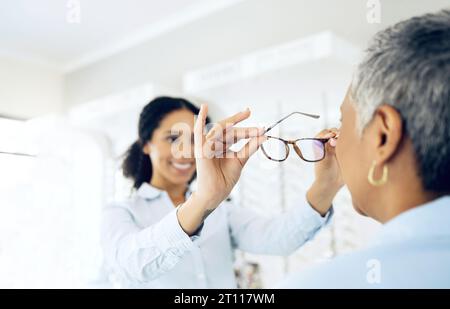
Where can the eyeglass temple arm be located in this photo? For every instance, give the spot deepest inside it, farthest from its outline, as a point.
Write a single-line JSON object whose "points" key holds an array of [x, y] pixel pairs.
{"points": [[282, 119]]}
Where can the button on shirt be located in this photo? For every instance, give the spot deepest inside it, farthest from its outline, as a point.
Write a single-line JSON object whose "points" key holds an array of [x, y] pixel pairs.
{"points": [[411, 251], [145, 247]]}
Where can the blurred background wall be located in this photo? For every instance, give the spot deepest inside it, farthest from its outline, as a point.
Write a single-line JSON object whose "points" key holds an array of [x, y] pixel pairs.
{"points": [[74, 75]]}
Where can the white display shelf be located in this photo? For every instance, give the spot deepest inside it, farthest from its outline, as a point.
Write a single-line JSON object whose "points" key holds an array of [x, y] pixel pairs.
{"points": [[309, 74], [321, 46]]}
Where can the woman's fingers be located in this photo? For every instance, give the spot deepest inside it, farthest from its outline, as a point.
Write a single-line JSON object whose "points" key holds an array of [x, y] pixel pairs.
{"points": [[332, 134], [199, 128], [332, 142], [236, 118], [222, 135], [223, 151], [222, 144], [224, 125], [328, 133], [250, 148], [233, 135]]}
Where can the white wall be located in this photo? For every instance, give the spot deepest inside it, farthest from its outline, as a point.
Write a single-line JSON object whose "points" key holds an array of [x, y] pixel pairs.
{"points": [[28, 90], [247, 26], [241, 28], [244, 27]]}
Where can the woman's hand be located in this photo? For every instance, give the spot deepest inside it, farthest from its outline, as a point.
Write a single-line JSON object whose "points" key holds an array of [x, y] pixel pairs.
{"points": [[218, 168], [328, 179]]}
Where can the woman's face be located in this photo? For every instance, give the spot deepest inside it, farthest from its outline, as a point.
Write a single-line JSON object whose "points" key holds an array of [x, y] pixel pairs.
{"points": [[353, 156], [171, 149]]}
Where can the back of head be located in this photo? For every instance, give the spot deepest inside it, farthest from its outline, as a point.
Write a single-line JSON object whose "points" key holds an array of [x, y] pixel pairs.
{"points": [[408, 67]]}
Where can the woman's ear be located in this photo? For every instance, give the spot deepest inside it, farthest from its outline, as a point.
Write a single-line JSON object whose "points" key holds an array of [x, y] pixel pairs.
{"points": [[146, 149], [388, 126]]}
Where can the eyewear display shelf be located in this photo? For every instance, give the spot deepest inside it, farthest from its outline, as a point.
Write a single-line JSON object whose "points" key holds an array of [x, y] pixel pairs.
{"points": [[309, 75]]}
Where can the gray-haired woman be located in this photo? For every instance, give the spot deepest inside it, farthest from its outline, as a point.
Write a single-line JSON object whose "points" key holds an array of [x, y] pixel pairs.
{"points": [[393, 153]]}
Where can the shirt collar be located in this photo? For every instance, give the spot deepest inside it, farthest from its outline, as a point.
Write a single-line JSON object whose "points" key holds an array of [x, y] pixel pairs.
{"points": [[426, 221], [150, 192]]}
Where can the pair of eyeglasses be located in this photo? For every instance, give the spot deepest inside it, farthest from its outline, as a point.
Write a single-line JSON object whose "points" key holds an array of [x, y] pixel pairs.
{"points": [[308, 149]]}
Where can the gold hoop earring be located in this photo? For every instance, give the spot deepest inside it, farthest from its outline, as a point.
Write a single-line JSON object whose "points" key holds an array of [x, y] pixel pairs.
{"points": [[382, 180]]}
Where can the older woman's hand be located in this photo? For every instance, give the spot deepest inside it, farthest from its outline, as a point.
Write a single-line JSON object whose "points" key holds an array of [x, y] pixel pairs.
{"points": [[328, 179]]}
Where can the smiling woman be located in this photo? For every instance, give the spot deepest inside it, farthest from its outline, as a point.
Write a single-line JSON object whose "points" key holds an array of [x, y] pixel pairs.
{"points": [[164, 236], [150, 158]]}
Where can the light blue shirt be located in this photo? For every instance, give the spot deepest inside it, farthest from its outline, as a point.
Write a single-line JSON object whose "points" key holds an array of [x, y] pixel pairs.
{"points": [[411, 251], [145, 247]]}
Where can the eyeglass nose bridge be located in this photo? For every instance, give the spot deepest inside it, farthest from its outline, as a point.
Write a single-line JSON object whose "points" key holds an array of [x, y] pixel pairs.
{"points": [[297, 149]]}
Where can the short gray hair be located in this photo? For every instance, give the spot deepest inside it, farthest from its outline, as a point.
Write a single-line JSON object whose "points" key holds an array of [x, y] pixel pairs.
{"points": [[408, 67]]}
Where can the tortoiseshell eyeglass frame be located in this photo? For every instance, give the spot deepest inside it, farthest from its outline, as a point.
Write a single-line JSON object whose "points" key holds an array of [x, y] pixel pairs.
{"points": [[294, 142], [296, 148]]}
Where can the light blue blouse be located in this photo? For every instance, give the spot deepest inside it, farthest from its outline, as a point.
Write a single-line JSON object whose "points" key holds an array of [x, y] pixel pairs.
{"points": [[145, 247], [411, 251]]}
